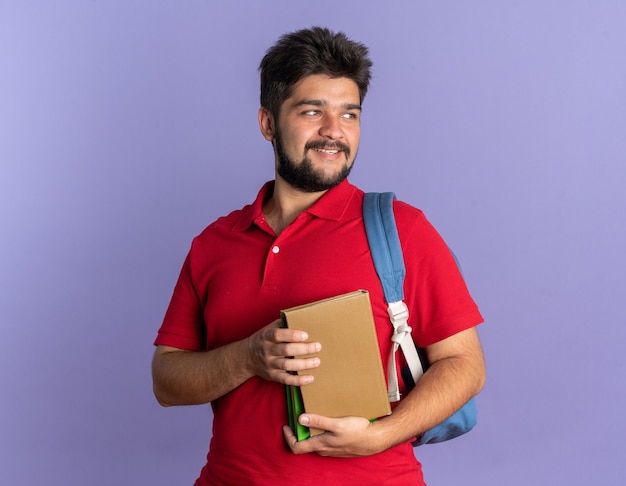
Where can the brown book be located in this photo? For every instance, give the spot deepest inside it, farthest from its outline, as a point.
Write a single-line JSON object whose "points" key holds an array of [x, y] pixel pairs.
{"points": [[350, 379]]}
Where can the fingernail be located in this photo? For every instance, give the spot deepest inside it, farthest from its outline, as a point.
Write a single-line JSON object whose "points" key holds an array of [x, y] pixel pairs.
{"points": [[318, 347], [304, 420]]}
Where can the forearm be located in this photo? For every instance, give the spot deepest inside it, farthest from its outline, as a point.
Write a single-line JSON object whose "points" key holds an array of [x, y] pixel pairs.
{"points": [[457, 373], [192, 378], [446, 387]]}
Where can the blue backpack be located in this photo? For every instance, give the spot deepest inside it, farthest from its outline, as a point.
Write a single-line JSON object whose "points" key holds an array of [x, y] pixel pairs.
{"points": [[382, 235]]}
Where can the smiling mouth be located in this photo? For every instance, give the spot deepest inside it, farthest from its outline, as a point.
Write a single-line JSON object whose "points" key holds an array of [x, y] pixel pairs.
{"points": [[328, 148], [327, 151]]}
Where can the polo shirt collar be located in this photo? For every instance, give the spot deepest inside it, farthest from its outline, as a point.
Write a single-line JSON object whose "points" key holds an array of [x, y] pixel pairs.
{"points": [[331, 205], [334, 203]]}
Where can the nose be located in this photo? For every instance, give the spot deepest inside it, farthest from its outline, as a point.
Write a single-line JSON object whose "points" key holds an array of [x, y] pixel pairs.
{"points": [[331, 128]]}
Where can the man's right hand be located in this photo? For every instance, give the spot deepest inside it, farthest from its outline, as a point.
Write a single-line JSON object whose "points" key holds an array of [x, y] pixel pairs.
{"points": [[276, 353], [183, 377]]}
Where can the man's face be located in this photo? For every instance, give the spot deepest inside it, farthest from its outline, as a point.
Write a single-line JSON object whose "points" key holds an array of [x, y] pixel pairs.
{"points": [[317, 133]]}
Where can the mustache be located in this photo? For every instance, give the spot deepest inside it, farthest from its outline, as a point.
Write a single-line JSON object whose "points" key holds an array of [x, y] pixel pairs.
{"points": [[324, 145]]}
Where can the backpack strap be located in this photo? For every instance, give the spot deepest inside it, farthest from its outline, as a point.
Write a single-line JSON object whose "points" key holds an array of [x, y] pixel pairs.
{"points": [[384, 243]]}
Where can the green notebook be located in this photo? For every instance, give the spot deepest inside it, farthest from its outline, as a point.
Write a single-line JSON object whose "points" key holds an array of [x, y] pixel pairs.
{"points": [[295, 407]]}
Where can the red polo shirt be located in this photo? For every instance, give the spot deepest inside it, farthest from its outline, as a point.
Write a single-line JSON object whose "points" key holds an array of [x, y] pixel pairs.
{"points": [[237, 277]]}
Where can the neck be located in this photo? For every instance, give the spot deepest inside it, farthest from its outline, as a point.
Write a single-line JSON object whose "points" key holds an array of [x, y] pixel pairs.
{"points": [[286, 204]]}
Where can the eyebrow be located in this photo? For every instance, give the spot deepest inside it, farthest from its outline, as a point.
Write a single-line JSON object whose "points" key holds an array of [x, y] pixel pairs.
{"points": [[347, 106]]}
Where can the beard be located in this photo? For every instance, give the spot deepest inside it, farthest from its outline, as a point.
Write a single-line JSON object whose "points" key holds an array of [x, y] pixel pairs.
{"points": [[303, 176]]}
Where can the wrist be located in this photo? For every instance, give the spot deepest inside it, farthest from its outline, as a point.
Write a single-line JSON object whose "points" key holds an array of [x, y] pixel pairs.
{"points": [[245, 355], [380, 436], [388, 432]]}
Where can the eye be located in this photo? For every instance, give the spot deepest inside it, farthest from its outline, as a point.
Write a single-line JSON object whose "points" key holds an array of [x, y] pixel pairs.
{"points": [[350, 116]]}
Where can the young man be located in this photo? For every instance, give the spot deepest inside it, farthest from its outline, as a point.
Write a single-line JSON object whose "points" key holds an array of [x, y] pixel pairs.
{"points": [[302, 240]]}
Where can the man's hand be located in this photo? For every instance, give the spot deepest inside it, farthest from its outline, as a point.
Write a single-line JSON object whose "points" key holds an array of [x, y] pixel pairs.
{"points": [[343, 437], [457, 373], [183, 377], [273, 354]]}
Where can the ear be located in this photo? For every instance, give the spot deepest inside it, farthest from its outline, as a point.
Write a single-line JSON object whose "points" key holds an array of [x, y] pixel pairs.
{"points": [[266, 124]]}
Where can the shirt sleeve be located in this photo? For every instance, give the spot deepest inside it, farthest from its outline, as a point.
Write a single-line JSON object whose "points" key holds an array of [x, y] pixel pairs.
{"points": [[439, 301], [183, 326]]}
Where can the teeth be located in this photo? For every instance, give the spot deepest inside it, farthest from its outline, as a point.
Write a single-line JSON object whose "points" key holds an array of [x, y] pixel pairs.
{"points": [[328, 151]]}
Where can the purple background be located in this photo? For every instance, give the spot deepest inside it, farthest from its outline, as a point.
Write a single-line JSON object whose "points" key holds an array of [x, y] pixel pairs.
{"points": [[126, 127]]}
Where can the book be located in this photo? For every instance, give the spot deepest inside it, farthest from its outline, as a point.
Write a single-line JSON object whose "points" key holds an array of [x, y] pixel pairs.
{"points": [[350, 380]]}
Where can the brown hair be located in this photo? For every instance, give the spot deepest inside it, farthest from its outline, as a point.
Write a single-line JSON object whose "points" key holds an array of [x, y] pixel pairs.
{"points": [[311, 51]]}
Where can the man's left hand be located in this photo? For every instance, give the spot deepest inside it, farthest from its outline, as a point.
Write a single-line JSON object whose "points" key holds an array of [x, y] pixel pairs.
{"points": [[342, 437]]}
